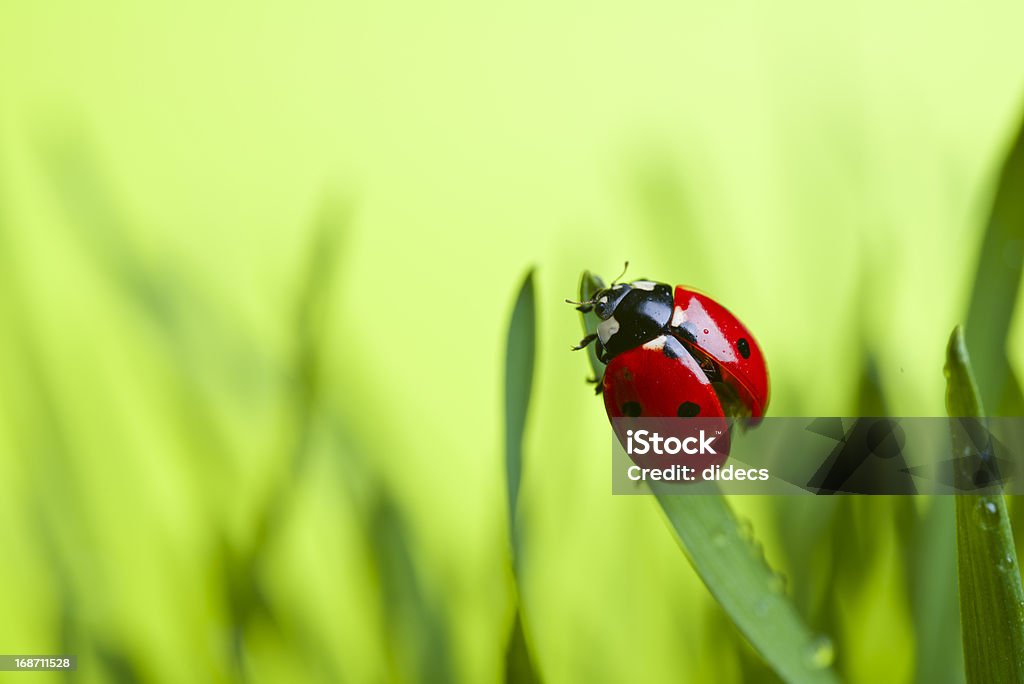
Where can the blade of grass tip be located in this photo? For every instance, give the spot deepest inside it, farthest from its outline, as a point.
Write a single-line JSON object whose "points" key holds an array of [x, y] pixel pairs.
{"points": [[242, 584], [312, 309], [991, 596], [590, 284], [520, 354], [519, 362], [733, 568], [997, 281]]}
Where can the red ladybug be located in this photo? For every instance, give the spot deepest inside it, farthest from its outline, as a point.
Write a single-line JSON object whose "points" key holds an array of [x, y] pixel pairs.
{"points": [[674, 354]]}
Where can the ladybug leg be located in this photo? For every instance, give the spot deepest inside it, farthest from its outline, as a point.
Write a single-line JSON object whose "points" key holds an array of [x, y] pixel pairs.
{"points": [[585, 342], [710, 369]]}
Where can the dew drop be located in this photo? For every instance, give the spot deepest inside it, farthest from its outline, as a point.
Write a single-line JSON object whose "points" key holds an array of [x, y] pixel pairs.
{"points": [[746, 529], [777, 583], [986, 513], [819, 653], [706, 331], [759, 552], [1006, 563]]}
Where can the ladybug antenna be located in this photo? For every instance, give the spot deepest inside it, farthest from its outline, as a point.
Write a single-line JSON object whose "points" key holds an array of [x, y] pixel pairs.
{"points": [[582, 306], [624, 269]]}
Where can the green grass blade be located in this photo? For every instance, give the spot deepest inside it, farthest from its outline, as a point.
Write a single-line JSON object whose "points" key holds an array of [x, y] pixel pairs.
{"points": [[520, 355], [991, 596], [932, 552], [997, 282], [962, 396], [519, 361], [422, 651], [736, 573], [589, 284]]}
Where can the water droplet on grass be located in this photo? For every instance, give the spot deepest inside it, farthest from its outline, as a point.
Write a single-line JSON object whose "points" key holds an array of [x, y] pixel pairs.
{"points": [[819, 653], [777, 583], [987, 514], [746, 529]]}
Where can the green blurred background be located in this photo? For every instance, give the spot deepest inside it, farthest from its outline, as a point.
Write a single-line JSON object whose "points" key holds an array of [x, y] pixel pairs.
{"points": [[257, 262]]}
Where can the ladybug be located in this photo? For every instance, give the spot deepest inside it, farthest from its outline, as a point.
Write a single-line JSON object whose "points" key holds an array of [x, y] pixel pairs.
{"points": [[673, 352]]}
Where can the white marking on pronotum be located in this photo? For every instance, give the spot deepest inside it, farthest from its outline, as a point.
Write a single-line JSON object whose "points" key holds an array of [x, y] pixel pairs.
{"points": [[606, 329], [657, 344], [643, 284], [678, 317], [603, 300]]}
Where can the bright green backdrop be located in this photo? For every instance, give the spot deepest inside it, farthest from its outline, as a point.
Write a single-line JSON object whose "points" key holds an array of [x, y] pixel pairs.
{"points": [[257, 261]]}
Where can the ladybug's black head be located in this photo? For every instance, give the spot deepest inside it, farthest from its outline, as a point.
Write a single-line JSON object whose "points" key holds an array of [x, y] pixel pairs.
{"points": [[607, 299], [631, 314]]}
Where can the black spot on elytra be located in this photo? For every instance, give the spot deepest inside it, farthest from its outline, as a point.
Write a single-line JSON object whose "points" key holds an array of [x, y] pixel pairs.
{"points": [[631, 409], [688, 409], [744, 347]]}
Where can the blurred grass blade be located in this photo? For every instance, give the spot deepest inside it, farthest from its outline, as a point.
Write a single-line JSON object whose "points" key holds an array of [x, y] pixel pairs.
{"points": [[932, 576], [997, 282], [733, 567], [519, 668], [991, 596], [202, 334], [421, 649], [519, 359]]}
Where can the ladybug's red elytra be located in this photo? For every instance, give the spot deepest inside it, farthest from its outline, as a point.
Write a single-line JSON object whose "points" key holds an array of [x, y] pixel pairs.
{"points": [[674, 353]]}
